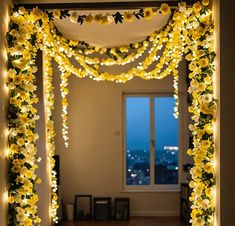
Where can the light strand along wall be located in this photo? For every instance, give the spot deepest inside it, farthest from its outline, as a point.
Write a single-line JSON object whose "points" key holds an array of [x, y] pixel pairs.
{"points": [[3, 106]]}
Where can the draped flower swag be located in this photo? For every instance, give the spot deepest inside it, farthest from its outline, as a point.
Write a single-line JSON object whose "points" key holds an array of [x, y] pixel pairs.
{"points": [[188, 33]]}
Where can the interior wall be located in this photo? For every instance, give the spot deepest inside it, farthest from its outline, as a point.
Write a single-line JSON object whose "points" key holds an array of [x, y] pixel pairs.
{"points": [[43, 190], [227, 125], [3, 106], [93, 163], [216, 18]]}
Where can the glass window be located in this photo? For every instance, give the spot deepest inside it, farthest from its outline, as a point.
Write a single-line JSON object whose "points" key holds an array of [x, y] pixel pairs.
{"points": [[151, 141], [166, 141], [137, 140]]}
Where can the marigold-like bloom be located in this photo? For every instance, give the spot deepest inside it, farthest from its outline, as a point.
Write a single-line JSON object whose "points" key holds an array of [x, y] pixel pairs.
{"points": [[128, 16], [148, 13], [165, 9]]}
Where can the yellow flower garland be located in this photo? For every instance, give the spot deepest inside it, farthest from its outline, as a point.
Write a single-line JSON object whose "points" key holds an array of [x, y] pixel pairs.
{"points": [[21, 121], [190, 32], [50, 133], [127, 16]]}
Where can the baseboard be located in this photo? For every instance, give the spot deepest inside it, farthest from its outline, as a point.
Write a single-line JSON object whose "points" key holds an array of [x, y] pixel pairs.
{"points": [[155, 213]]}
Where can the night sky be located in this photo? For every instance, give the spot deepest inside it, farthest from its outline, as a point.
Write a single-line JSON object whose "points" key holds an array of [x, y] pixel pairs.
{"points": [[138, 122]]}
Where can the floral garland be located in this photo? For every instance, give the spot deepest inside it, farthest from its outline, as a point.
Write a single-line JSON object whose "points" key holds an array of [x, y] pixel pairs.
{"points": [[22, 116], [172, 55], [108, 18], [201, 55], [50, 133], [190, 31]]}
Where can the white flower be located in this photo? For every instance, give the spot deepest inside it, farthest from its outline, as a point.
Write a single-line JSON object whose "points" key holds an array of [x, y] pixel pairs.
{"points": [[192, 127], [24, 108], [182, 6], [205, 203], [206, 98], [195, 118], [73, 17]]}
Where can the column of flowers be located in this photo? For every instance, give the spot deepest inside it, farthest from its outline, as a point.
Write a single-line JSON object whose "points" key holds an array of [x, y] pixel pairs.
{"points": [[23, 42], [201, 55]]}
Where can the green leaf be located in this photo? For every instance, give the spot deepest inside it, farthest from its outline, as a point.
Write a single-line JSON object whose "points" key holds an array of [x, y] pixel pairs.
{"points": [[118, 17]]}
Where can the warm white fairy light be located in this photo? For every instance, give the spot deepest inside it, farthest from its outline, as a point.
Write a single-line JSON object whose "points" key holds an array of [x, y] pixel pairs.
{"points": [[64, 92], [50, 134]]}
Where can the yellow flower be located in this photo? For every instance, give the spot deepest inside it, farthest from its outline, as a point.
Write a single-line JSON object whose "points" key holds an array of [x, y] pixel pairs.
{"points": [[189, 57], [24, 119], [17, 80], [22, 10], [201, 87], [105, 20], [205, 2], [199, 222], [165, 9], [20, 217], [200, 53], [192, 184], [209, 168], [89, 18], [28, 222], [197, 171], [36, 14], [98, 17], [10, 199], [189, 152], [73, 43], [200, 30], [206, 110], [20, 63], [38, 181], [200, 187], [128, 16], [56, 13], [20, 142], [194, 213], [26, 55], [148, 13], [37, 220], [197, 7], [203, 62]]}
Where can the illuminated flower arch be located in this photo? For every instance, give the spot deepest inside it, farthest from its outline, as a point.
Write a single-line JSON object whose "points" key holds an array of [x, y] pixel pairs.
{"points": [[189, 32]]}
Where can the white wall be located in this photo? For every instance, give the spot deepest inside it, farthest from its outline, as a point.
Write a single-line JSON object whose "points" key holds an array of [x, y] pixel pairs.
{"points": [[3, 106], [93, 162]]}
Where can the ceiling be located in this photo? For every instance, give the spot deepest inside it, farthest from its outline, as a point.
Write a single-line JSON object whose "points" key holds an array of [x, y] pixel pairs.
{"points": [[106, 35]]}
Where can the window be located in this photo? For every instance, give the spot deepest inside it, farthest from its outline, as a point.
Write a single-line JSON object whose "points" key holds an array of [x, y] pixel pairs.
{"points": [[151, 142]]}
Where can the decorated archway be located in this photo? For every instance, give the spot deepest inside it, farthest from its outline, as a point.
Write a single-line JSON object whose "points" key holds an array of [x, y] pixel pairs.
{"points": [[189, 33]]}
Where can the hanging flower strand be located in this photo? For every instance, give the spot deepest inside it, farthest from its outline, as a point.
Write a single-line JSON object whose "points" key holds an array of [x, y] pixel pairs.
{"points": [[64, 92], [50, 133]]}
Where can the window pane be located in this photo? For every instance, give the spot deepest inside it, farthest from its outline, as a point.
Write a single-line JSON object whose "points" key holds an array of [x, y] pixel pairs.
{"points": [[137, 140], [166, 141]]}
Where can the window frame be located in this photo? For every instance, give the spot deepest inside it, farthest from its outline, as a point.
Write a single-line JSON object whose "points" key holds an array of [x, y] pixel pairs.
{"points": [[182, 145]]}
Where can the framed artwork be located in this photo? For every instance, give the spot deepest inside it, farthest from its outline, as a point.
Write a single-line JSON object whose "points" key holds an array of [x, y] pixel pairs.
{"points": [[83, 207]]}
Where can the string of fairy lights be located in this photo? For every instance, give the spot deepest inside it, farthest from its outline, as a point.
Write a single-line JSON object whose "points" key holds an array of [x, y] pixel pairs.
{"points": [[189, 32], [50, 132]]}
